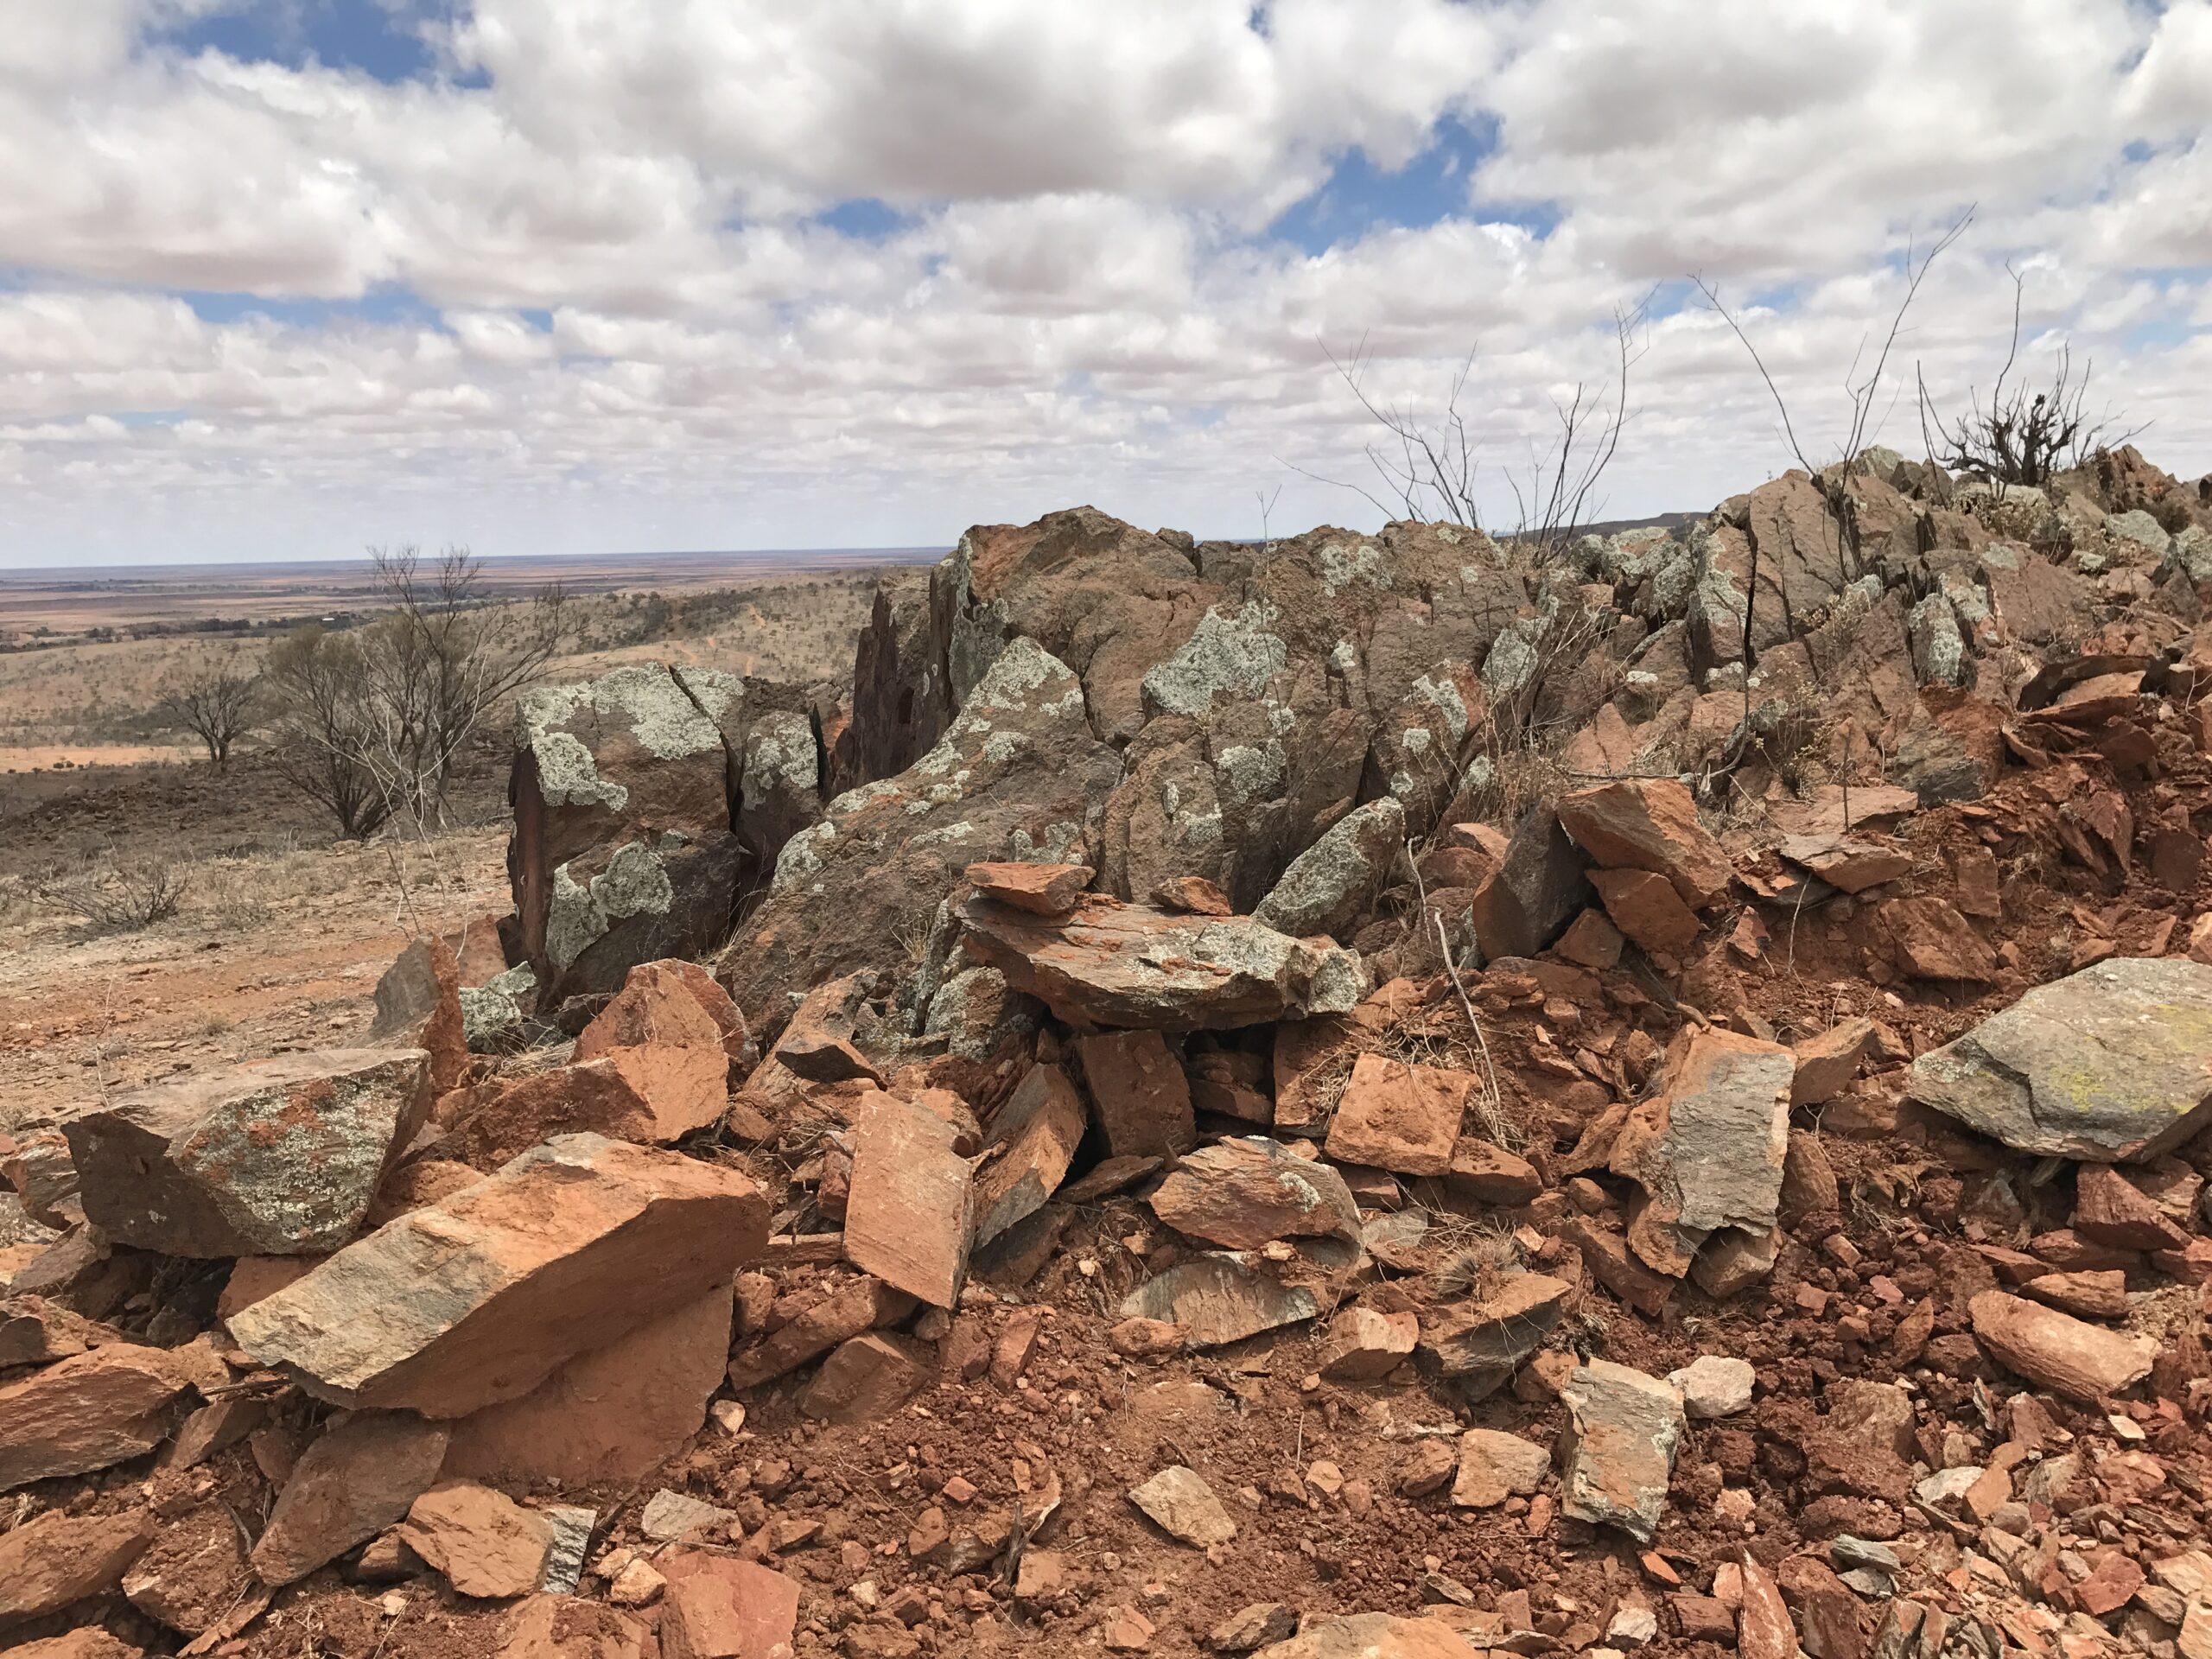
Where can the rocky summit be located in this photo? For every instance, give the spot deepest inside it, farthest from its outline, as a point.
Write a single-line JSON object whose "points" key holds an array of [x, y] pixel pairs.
{"points": [[1371, 1094]]}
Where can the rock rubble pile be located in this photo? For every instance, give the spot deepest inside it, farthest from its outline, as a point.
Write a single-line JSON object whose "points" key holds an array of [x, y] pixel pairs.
{"points": [[1375, 1094]]}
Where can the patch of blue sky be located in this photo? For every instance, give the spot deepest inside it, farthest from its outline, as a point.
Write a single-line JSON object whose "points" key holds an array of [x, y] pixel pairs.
{"points": [[367, 36], [386, 303], [1359, 197]]}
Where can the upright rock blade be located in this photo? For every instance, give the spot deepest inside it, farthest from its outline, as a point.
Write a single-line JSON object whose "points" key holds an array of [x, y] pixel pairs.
{"points": [[479, 1297], [1709, 1150]]}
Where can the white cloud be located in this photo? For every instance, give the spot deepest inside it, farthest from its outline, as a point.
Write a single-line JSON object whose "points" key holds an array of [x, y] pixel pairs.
{"points": [[581, 298]]}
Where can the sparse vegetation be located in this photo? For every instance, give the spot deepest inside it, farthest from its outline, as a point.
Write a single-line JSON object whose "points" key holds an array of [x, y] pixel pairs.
{"points": [[121, 895]]}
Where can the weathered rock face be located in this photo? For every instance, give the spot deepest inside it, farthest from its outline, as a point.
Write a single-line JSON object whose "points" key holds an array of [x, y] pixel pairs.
{"points": [[1648, 824], [1539, 888], [480, 1298], [1709, 1150], [1619, 1450], [2108, 1064], [1017, 775], [608, 1417], [1140, 1091], [1220, 1299], [911, 1208], [278, 1158], [624, 849], [54, 1559], [1108, 963], [1328, 887]]}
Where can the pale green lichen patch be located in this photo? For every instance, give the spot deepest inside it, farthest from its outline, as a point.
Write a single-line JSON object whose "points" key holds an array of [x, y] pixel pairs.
{"points": [[633, 883], [568, 777], [1223, 654], [1442, 693], [1342, 566]]}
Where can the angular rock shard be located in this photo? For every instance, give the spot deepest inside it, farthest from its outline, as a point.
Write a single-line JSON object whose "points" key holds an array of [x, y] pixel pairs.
{"points": [[1180, 1503], [2084, 1363], [1709, 1150], [54, 1559], [1042, 889], [1328, 887], [1399, 1117], [2110, 1064], [1619, 1449], [1650, 824], [717, 1607], [279, 1157], [1033, 1139], [1107, 963], [349, 1485], [1218, 1299], [478, 1298], [86, 1412]]}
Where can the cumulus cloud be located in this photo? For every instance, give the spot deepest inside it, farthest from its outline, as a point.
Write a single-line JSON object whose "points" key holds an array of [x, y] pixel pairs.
{"points": [[589, 281]]}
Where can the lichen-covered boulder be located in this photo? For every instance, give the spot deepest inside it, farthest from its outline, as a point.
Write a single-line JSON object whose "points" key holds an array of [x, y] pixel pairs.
{"points": [[624, 850], [1018, 775]]}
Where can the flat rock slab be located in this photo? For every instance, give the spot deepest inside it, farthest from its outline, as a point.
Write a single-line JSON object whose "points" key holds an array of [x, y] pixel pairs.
{"points": [[2083, 1362], [1714, 1385], [279, 1157], [55, 1559], [1399, 1117], [1365, 1344], [86, 1412], [480, 1298], [868, 1379], [1482, 1342], [1623, 1429], [486, 1544], [719, 1607], [356, 1480], [1220, 1299], [2110, 1064], [1709, 1150], [1041, 889], [909, 1209], [1184, 1507], [1247, 1191], [1107, 963]]}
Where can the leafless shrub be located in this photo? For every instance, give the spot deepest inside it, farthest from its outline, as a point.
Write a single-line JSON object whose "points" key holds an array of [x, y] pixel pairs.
{"points": [[214, 699], [120, 895], [2020, 435], [1424, 467], [325, 728]]}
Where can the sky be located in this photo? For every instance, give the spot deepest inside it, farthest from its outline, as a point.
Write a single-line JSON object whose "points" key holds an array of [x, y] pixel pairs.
{"points": [[288, 278]]}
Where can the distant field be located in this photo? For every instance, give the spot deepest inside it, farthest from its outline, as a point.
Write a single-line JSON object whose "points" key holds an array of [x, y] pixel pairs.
{"points": [[72, 601]]}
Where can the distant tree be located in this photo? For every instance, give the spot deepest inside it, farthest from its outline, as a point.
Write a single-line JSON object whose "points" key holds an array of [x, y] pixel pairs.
{"points": [[325, 726], [213, 698], [374, 720]]}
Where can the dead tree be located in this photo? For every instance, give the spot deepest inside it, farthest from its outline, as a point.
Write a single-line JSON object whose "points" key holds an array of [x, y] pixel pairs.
{"points": [[2018, 435]]}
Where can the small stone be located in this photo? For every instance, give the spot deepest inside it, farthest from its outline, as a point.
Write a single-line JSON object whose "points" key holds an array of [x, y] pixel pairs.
{"points": [[1494, 1466], [1041, 889], [2083, 1362], [1179, 1500], [2110, 1209], [195, 1573], [1253, 1627], [1713, 1386], [563, 1627], [1140, 1092], [720, 1607], [867, 1378], [910, 1211], [1827, 1063], [1251, 1190], [1126, 1630], [671, 1517], [86, 1412], [636, 1586], [485, 1542], [1491, 1174], [1365, 1344], [1763, 1626]]}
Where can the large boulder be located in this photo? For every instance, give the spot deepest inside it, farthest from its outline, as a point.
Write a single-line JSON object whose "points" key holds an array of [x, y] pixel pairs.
{"points": [[2111, 1064], [480, 1297], [624, 848], [278, 1158], [1017, 775]]}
